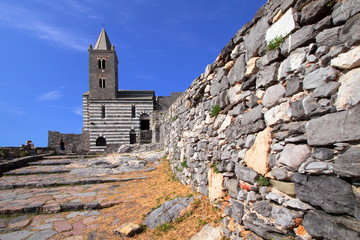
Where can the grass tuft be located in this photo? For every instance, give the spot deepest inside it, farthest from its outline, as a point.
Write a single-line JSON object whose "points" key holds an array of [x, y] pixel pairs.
{"points": [[275, 43], [215, 110]]}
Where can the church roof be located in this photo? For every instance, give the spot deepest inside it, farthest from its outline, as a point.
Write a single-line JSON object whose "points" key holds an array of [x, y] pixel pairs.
{"points": [[103, 42]]}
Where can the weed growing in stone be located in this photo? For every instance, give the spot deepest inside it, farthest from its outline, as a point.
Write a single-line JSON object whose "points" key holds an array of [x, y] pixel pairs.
{"points": [[275, 43], [215, 110], [165, 227], [173, 119], [184, 165], [263, 181]]}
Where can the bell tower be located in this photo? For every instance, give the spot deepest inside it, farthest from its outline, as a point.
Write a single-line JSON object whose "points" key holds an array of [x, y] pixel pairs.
{"points": [[103, 69]]}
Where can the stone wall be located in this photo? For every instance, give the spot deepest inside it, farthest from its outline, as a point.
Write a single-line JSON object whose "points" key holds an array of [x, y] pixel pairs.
{"points": [[74, 143], [289, 116], [8, 153]]}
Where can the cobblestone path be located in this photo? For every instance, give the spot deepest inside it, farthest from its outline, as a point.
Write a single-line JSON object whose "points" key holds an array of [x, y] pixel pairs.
{"points": [[68, 197]]}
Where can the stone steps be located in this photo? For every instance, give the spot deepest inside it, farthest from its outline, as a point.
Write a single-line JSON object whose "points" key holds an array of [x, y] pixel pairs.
{"points": [[50, 162], [36, 184]]}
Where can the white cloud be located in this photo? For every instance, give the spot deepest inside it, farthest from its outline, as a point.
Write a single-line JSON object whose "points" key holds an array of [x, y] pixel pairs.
{"points": [[39, 26], [78, 110], [50, 96]]}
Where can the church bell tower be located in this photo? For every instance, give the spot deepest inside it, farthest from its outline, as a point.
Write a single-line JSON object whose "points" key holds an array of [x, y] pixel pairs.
{"points": [[103, 69]]}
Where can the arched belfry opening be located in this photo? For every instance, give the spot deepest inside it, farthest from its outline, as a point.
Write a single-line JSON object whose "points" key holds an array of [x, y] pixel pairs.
{"points": [[144, 122], [100, 141]]}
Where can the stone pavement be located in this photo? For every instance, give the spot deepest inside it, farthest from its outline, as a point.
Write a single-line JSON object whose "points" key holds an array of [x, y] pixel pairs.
{"points": [[62, 197]]}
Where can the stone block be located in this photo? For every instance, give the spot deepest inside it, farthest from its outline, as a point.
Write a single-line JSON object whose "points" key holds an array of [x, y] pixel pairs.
{"points": [[326, 90], [277, 114], [237, 72], [329, 37], [319, 168], [321, 225], [245, 174], [335, 127], [257, 156], [285, 187], [323, 153], [332, 194], [293, 86], [314, 11], [350, 32], [268, 75], [257, 32], [284, 26], [292, 62], [348, 163], [128, 229], [251, 67], [348, 94], [216, 189], [302, 37], [319, 77], [283, 217], [208, 232], [348, 60], [345, 10], [252, 115], [272, 95], [294, 155]]}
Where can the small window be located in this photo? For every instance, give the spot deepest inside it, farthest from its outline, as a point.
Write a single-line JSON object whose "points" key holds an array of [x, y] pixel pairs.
{"points": [[103, 64], [100, 141], [102, 82], [102, 111], [144, 122], [133, 111]]}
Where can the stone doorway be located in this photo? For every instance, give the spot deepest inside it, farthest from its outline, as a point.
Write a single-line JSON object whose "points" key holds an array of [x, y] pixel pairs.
{"points": [[100, 141], [132, 137]]}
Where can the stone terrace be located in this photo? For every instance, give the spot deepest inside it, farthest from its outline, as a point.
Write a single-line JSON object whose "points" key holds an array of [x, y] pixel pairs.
{"points": [[61, 197]]}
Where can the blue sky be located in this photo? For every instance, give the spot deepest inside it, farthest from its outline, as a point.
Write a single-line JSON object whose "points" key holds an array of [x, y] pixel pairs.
{"points": [[162, 45]]}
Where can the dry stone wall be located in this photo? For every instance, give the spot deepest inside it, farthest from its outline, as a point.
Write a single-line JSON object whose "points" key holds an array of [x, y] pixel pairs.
{"points": [[289, 115]]}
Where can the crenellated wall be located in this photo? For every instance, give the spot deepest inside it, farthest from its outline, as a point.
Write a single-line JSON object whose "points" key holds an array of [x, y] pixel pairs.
{"points": [[290, 116]]}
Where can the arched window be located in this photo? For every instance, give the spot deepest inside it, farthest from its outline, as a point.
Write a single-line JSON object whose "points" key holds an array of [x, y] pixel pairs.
{"points": [[102, 111], [103, 64], [144, 122], [132, 136], [100, 141], [133, 111], [99, 63], [102, 82]]}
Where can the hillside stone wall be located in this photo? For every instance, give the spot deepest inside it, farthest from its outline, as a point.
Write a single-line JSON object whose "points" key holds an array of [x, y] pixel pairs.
{"points": [[289, 115]]}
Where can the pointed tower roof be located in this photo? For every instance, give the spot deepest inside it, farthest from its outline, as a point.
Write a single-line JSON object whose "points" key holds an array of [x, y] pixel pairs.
{"points": [[103, 42]]}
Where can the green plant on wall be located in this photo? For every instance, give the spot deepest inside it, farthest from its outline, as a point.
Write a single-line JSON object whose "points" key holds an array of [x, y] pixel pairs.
{"points": [[275, 43], [215, 110], [173, 119], [263, 181]]}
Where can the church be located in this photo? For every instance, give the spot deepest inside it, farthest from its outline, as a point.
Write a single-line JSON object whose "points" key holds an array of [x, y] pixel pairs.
{"points": [[112, 117]]}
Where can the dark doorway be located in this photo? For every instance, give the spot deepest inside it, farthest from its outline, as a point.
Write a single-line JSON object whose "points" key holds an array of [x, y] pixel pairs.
{"points": [[100, 141], [144, 122], [132, 137]]}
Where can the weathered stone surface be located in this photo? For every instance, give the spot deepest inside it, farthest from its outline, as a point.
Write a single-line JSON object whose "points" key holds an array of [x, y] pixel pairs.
{"points": [[257, 32], [245, 174], [350, 32], [272, 95], [263, 207], [277, 114], [348, 94], [319, 168], [348, 163], [252, 115], [329, 37], [348, 60], [279, 174], [233, 187], [168, 212], [334, 127], [16, 235], [257, 156], [326, 90], [294, 155], [267, 75], [237, 211], [208, 232], [237, 72], [332, 194], [314, 11], [283, 216], [321, 225], [344, 10], [42, 235], [301, 37], [285, 187], [293, 86], [215, 88], [297, 204], [284, 26], [323, 153], [128, 229], [292, 62], [216, 189], [297, 110], [319, 77], [251, 67], [62, 226]]}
